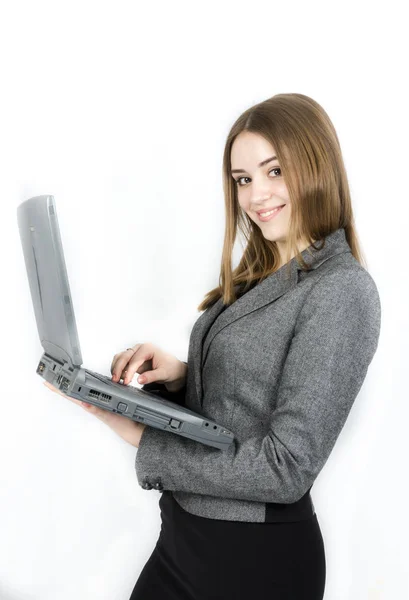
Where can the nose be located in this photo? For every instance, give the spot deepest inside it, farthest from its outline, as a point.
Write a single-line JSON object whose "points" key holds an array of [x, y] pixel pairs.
{"points": [[261, 192], [260, 199]]}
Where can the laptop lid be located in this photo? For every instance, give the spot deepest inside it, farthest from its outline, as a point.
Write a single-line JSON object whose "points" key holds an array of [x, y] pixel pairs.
{"points": [[48, 279]]}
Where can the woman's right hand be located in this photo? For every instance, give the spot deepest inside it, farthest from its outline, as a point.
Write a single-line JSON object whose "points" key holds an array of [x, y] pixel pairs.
{"points": [[154, 363]]}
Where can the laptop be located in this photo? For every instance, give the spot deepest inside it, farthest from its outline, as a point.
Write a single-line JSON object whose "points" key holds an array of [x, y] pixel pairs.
{"points": [[61, 361]]}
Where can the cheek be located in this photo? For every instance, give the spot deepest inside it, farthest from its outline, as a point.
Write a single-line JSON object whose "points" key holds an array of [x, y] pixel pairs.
{"points": [[243, 205], [244, 201]]}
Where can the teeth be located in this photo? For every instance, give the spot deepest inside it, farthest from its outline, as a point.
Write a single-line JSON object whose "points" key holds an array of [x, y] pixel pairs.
{"points": [[266, 214]]}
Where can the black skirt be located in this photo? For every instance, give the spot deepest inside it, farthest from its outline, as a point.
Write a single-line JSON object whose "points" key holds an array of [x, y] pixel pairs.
{"points": [[196, 558]]}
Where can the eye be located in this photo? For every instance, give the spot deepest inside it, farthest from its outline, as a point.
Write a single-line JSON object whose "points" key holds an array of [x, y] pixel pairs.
{"points": [[244, 177]]}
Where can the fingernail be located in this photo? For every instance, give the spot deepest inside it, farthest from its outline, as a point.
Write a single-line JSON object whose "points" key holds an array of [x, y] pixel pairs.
{"points": [[141, 379]]}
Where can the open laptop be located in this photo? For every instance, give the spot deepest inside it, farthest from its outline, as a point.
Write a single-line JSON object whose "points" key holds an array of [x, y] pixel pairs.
{"points": [[61, 361]]}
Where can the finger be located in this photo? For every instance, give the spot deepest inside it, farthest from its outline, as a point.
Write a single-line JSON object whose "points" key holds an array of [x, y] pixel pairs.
{"points": [[128, 369], [119, 365], [129, 372], [147, 374], [131, 369], [121, 358], [91, 408], [54, 389], [103, 415], [114, 365], [111, 368]]}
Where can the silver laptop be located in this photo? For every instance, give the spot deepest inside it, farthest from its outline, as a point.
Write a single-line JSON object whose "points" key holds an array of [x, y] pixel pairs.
{"points": [[61, 361]]}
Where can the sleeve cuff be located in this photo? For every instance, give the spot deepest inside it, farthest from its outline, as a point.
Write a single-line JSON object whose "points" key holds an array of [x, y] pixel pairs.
{"points": [[153, 447]]}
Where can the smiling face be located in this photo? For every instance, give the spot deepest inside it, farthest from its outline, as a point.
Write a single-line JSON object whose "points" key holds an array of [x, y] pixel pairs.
{"points": [[261, 186]]}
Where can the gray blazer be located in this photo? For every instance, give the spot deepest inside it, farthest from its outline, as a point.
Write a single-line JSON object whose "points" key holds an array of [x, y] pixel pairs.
{"points": [[281, 368]]}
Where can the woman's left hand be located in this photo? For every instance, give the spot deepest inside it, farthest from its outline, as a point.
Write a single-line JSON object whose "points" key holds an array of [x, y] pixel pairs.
{"points": [[126, 428]]}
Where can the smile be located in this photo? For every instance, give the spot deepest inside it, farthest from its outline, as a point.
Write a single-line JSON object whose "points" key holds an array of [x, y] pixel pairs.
{"points": [[267, 216]]}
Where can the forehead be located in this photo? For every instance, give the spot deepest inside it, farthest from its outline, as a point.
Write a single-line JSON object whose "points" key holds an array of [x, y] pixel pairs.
{"points": [[249, 149]]}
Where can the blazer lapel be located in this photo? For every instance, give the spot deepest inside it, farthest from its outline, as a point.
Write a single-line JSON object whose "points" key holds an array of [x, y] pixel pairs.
{"points": [[269, 290]]}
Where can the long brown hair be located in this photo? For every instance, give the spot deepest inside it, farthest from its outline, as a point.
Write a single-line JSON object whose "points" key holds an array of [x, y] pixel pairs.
{"points": [[311, 162]]}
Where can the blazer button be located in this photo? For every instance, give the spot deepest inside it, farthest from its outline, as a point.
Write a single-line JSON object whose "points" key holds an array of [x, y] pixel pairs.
{"points": [[157, 485], [146, 485]]}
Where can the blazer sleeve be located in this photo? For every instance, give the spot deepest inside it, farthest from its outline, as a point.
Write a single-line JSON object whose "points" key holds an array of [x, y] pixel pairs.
{"points": [[335, 338]]}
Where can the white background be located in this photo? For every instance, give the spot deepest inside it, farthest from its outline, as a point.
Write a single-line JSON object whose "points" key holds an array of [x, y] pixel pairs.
{"points": [[121, 110]]}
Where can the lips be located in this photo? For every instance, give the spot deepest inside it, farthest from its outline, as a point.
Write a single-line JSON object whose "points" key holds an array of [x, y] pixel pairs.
{"points": [[273, 215], [264, 210]]}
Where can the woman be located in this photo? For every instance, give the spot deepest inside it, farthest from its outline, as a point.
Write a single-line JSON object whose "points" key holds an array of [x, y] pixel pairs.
{"points": [[278, 357]]}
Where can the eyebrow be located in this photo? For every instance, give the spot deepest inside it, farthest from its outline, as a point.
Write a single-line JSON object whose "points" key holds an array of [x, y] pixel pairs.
{"points": [[260, 165]]}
